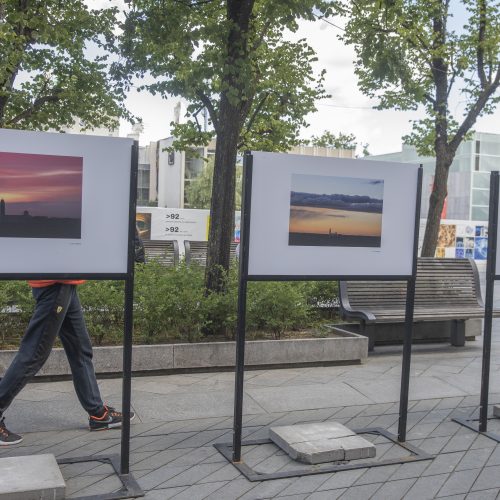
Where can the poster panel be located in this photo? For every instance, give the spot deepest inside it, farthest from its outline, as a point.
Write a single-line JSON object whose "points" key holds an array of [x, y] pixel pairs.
{"points": [[158, 223], [317, 216], [64, 203]]}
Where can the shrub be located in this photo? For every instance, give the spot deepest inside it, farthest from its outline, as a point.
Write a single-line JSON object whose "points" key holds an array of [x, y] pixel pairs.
{"points": [[277, 307], [170, 305]]}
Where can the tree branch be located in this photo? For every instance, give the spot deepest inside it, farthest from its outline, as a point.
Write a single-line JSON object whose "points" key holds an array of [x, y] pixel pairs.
{"points": [[211, 110], [188, 3], [480, 41], [36, 106], [256, 112], [474, 111]]}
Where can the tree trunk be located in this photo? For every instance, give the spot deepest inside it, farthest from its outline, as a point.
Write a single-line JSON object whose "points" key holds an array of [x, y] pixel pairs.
{"points": [[436, 204], [223, 191], [234, 106], [441, 148]]}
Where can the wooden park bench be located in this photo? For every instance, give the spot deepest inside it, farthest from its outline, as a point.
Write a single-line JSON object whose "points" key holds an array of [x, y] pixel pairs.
{"points": [[196, 251], [166, 252], [447, 293]]}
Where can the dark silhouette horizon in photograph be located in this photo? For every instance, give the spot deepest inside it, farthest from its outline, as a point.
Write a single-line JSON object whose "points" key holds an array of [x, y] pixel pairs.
{"points": [[40, 196]]}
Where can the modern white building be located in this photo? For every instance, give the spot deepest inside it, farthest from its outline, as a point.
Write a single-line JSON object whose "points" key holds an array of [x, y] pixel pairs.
{"points": [[164, 175], [469, 177]]}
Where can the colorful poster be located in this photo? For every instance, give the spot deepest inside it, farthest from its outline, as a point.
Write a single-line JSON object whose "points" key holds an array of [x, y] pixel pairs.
{"points": [[459, 253], [481, 248], [440, 252], [143, 221], [481, 231], [449, 252], [469, 243], [237, 227], [447, 234]]}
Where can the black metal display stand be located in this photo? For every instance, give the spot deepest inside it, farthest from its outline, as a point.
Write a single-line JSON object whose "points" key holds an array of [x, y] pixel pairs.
{"points": [[232, 452], [481, 424], [120, 464]]}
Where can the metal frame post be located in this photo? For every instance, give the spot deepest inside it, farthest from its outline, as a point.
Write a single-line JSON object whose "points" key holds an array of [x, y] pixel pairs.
{"points": [[242, 301], [408, 336], [488, 311], [128, 326], [233, 453]]}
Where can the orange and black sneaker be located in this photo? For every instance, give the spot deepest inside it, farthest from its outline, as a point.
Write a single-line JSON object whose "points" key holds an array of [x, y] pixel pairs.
{"points": [[8, 438], [109, 419]]}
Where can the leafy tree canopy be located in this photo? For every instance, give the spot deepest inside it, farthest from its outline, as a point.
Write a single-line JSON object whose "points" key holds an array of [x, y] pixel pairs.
{"points": [[48, 76], [199, 190], [184, 47], [330, 140], [413, 53], [231, 58]]}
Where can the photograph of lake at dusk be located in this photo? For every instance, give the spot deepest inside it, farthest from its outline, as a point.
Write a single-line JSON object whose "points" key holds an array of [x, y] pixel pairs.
{"points": [[335, 211], [40, 196]]}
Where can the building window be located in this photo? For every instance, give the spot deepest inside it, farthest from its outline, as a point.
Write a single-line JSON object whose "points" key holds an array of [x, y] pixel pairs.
{"points": [[480, 197], [481, 180], [479, 213], [143, 183]]}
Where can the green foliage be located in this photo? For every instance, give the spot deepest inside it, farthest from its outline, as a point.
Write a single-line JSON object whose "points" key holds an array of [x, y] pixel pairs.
{"points": [[170, 305], [199, 191], [412, 55], [184, 47], [277, 307], [329, 140], [407, 50], [54, 65], [231, 58], [102, 303]]}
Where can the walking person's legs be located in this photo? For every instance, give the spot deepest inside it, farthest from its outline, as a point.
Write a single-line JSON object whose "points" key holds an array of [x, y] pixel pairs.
{"points": [[50, 309], [76, 342]]}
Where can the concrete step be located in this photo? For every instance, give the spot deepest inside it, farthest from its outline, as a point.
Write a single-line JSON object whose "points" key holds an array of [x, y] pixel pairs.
{"points": [[318, 443], [31, 477]]}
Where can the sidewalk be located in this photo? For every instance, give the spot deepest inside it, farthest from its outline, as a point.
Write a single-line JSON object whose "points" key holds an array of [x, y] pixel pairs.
{"points": [[179, 417]]}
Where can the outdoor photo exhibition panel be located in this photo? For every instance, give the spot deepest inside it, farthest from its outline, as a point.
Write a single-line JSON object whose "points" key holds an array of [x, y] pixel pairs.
{"points": [[331, 217], [317, 218], [56, 216], [481, 424], [57, 222]]}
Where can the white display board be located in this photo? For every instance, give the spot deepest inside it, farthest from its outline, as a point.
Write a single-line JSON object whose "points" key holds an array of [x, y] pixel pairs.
{"points": [[64, 203], [173, 223], [317, 216]]}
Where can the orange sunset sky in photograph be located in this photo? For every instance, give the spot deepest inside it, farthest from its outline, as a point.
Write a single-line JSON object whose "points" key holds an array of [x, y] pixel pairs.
{"points": [[44, 185]]}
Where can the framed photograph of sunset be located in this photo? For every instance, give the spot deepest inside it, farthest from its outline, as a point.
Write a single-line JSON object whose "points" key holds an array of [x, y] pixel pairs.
{"points": [[316, 216], [64, 203], [40, 196]]}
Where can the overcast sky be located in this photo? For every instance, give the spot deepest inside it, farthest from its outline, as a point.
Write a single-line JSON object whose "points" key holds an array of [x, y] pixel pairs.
{"points": [[347, 111]]}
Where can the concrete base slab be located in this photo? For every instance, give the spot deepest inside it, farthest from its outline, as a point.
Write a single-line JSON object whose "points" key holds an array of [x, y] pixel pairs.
{"points": [[496, 411], [318, 443], [31, 477]]}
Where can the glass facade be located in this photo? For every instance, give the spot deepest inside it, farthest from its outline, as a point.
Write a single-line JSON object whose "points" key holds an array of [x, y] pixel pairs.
{"points": [[193, 166], [469, 176], [143, 184]]}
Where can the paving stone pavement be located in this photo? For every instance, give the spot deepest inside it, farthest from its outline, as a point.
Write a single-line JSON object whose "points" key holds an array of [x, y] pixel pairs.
{"points": [[181, 416]]}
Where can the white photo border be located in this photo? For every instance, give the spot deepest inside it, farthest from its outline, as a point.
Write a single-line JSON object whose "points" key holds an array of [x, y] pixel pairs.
{"points": [[103, 247], [270, 254]]}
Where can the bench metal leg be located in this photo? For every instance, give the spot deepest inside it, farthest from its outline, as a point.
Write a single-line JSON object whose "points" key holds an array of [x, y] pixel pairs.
{"points": [[369, 331], [457, 336]]}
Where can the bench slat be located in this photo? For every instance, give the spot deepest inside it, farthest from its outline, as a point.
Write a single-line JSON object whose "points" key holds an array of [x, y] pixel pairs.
{"points": [[445, 289]]}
